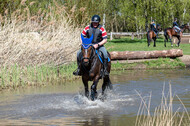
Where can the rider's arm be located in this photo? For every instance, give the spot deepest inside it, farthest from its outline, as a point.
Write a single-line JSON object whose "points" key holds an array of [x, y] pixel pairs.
{"points": [[100, 43], [103, 42], [154, 25]]}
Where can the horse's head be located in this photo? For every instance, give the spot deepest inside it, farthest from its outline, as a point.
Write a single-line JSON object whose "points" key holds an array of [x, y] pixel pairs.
{"points": [[158, 27], [185, 26], [87, 49]]}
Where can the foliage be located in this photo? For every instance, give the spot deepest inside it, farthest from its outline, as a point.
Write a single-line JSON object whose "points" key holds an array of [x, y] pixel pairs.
{"points": [[120, 15]]}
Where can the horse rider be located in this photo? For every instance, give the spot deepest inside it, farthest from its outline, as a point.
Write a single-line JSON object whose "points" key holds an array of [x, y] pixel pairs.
{"points": [[153, 27], [176, 26], [99, 39]]}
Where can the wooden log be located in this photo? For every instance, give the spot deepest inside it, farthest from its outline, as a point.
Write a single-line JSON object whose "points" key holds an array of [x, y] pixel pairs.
{"points": [[130, 55]]}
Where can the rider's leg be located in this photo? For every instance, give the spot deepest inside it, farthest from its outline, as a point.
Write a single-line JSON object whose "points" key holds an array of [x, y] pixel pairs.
{"points": [[78, 71], [178, 29], [103, 50]]}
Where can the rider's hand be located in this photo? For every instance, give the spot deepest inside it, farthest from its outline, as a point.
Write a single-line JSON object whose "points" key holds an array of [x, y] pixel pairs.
{"points": [[95, 46]]}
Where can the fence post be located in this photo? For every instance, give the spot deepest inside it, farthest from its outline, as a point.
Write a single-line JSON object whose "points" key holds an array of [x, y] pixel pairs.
{"points": [[111, 36], [132, 36]]}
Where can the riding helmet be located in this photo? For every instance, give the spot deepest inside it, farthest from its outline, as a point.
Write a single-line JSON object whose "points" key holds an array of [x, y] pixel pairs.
{"points": [[95, 18]]}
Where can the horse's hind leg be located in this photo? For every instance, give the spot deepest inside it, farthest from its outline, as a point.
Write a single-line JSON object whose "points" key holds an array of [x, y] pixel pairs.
{"points": [[106, 85], [85, 82], [179, 40]]}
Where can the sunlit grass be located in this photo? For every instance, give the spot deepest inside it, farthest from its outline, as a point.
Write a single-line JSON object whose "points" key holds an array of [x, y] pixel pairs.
{"points": [[127, 44], [159, 63]]}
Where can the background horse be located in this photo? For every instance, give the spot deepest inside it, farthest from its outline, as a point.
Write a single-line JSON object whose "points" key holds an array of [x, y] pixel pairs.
{"points": [[91, 68], [169, 32], [151, 35]]}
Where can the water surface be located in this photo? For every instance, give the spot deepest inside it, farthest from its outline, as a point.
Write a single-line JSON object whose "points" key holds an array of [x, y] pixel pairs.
{"points": [[64, 104]]}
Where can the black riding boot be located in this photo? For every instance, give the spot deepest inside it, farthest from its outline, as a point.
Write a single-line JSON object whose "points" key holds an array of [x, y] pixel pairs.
{"points": [[106, 73], [77, 72]]}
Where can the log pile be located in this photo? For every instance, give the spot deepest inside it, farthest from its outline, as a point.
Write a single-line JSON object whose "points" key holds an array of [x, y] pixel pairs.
{"points": [[131, 55]]}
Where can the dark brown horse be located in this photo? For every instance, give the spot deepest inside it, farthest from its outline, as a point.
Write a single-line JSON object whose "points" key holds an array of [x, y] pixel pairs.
{"points": [[91, 68], [169, 32], [151, 35]]}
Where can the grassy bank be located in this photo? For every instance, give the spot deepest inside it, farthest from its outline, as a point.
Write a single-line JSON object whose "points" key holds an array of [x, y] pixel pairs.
{"points": [[15, 76], [161, 63]]}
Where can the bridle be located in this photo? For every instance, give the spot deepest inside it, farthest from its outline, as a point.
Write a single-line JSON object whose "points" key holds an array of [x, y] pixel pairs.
{"points": [[91, 54]]}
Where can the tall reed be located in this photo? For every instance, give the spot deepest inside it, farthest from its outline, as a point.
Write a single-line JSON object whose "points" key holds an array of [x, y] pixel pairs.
{"points": [[44, 38], [35, 75], [163, 115]]}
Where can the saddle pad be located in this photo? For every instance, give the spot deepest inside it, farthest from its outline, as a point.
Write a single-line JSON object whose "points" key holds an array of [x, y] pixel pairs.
{"points": [[101, 57]]}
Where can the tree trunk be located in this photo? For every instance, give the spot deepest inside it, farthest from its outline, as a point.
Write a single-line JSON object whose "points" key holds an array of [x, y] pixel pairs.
{"points": [[129, 55]]}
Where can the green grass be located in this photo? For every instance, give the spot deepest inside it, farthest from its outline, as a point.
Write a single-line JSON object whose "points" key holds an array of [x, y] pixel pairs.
{"points": [[160, 63], [127, 44]]}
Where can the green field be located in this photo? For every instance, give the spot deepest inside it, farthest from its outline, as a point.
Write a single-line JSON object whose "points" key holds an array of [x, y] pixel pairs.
{"points": [[127, 44]]}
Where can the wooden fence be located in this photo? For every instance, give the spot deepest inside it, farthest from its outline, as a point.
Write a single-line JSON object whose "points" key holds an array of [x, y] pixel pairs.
{"points": [[138, 34]]}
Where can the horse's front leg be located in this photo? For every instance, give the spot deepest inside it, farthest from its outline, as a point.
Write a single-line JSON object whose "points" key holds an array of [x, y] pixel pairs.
{"points": [[93, 88], [85, 82], [165, 40], [106, 85]]}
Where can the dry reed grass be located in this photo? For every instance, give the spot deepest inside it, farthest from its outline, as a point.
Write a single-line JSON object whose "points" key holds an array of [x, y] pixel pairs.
{"points": [[163, 115], [27, 39]]}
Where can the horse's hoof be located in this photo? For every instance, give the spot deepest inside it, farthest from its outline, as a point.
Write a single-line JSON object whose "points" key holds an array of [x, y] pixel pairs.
{"points": [[93, 95]]}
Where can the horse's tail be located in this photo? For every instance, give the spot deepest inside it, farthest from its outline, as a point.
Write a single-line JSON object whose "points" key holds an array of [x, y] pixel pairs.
{"points": [[166, 34], [148, 38]]}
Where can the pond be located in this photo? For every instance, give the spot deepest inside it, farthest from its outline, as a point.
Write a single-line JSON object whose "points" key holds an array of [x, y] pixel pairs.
{"points": [[64, 104]]}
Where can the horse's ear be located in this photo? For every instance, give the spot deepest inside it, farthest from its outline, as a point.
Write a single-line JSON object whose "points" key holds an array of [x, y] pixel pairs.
{"points": [[86, 41], [82, 37]]}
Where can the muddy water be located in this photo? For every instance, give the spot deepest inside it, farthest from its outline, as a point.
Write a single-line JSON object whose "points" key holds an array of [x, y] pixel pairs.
{"points": [[64, 104]]}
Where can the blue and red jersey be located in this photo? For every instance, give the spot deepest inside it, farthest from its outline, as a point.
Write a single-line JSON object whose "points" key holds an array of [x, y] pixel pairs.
{"points": [[99, 33]]}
